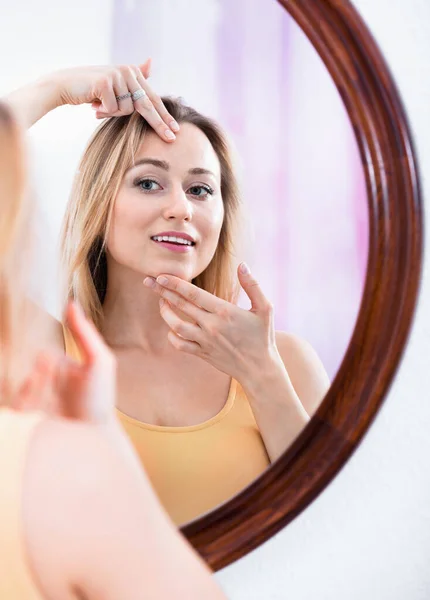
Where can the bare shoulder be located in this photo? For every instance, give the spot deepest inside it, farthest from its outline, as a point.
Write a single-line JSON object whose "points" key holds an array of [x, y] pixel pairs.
{"points": [[49, 329], [306, 371], [93, 527], [69, 482], [295, 349], [61, 456]]}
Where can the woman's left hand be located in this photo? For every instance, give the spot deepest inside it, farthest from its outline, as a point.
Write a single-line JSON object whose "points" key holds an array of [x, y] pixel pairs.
{"points": [[237, 341]]}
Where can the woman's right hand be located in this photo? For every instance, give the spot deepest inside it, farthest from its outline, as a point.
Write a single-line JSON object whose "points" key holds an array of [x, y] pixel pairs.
{"points": [[100, 86]]}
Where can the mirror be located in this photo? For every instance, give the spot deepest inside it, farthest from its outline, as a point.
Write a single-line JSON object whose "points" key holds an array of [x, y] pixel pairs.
{"points": [[308, 233], [204, 431]]}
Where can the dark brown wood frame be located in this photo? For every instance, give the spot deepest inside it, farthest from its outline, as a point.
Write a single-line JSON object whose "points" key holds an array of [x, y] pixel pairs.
{"points": [[394, 266]]}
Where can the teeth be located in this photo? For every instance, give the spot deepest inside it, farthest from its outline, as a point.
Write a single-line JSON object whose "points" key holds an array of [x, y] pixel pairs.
{"points": [[170, 238]]}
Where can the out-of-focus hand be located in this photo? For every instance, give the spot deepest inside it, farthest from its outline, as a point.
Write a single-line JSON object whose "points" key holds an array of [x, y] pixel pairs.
{"points": [[62, 386]]}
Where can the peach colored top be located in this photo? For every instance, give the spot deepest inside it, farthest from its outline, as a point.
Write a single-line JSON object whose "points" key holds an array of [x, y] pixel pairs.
{"points": [[194, 469], [16, 582]]}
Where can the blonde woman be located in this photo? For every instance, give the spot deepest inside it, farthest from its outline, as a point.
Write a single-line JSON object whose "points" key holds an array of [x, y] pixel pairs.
{"points": [[208, 392], [78, 517]]}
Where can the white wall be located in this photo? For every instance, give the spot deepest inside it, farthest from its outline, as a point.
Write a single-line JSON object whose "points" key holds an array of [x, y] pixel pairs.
{"points": [[368, 534], [36, 37]]}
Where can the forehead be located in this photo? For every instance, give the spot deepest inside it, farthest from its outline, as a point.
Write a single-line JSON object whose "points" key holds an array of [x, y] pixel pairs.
{"points": [[191, 149]]}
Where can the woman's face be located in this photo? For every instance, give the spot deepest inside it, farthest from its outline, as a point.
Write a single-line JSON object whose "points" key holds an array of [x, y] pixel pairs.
{"points": [[173, 188]]}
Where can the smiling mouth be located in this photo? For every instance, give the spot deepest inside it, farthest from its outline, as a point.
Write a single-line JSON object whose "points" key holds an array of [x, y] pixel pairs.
{"points": [[169, 239]]}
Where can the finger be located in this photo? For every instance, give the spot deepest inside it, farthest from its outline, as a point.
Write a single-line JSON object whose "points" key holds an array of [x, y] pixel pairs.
{"points": [[68, 371], [195, 312], [146, 108], [192, 293], [87, 337], [183, 345], [157, 103], [37, 388], [123, 77], [145, 69], [187, 331], [122, 93], [124, 104], [120, 89], [252, 288], [43, 391], [70, 383], [20, 398], [106, 95]]}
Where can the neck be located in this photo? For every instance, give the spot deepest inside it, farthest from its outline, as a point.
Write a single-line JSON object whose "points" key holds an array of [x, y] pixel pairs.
{"points": [[132, 313]]}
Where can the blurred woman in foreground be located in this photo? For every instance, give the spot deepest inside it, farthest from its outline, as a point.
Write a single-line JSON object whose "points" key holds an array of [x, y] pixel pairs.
{"points": [[78, 517]]}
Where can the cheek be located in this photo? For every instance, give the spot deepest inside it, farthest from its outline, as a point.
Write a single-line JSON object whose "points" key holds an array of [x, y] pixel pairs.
{"points": [[213, 223], [218, 225], [124, 213], [128, 220]]}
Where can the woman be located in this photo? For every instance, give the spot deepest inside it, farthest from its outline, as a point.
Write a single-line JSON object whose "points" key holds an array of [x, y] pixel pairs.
{"points": [[153, 219], [72, 473]]}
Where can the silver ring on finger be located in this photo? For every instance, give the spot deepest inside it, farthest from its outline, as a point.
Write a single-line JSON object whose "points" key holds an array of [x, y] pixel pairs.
{"points": [[123, 97], [138, 94]]}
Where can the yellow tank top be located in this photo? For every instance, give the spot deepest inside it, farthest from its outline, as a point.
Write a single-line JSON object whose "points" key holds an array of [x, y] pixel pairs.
{"points": [[16, 582], [194, 469]]}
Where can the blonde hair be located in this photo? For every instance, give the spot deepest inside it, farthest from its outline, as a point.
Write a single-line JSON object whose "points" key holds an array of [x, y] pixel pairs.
{"points": [[14, 215], [110, 152]]}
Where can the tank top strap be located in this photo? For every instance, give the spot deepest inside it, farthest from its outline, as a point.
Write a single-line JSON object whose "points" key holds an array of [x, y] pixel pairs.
{"points": [[242, 404], [16, 429]]}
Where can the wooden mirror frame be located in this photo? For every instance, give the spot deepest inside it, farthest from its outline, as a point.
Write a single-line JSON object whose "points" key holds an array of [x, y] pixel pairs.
{"points": [[393, 272]]}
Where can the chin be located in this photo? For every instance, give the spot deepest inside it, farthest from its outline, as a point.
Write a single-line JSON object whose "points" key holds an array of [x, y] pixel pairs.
{"points": [[175, 270]]}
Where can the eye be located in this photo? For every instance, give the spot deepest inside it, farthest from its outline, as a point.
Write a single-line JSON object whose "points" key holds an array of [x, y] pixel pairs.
{"points": [[146, 185], [196, 190]]}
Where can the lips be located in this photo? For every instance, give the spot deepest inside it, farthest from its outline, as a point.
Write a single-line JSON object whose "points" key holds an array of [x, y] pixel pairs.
{"points": [[173, 246], [173, 237]]}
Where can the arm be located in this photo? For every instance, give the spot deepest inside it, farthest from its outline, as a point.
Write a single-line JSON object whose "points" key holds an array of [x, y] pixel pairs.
{"points": [[33, 101], [109, 537], [305, 369], [99, 86], [285, 392]]}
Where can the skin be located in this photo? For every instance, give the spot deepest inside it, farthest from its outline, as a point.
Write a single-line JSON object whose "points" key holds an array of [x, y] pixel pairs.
{"points": [[179, 202], [112, 514], [281, 375], [105, 512], [134, 326], [194, 335]]}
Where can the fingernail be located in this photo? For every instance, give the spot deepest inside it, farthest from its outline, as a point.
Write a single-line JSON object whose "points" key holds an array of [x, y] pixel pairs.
{"points": [[170, 135], [149, 282], [174, 126], [244, 269], [161, 302], [162, 280]]}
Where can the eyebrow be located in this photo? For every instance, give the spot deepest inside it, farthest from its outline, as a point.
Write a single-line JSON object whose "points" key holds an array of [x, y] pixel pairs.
{"points": [[162, 164]]}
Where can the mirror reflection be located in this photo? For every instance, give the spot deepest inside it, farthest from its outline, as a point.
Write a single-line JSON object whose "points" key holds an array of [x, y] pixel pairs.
{"points": [[248, 219]]}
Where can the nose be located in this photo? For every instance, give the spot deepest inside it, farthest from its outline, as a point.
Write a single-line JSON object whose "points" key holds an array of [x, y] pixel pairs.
{"points": [[178, 206]]}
